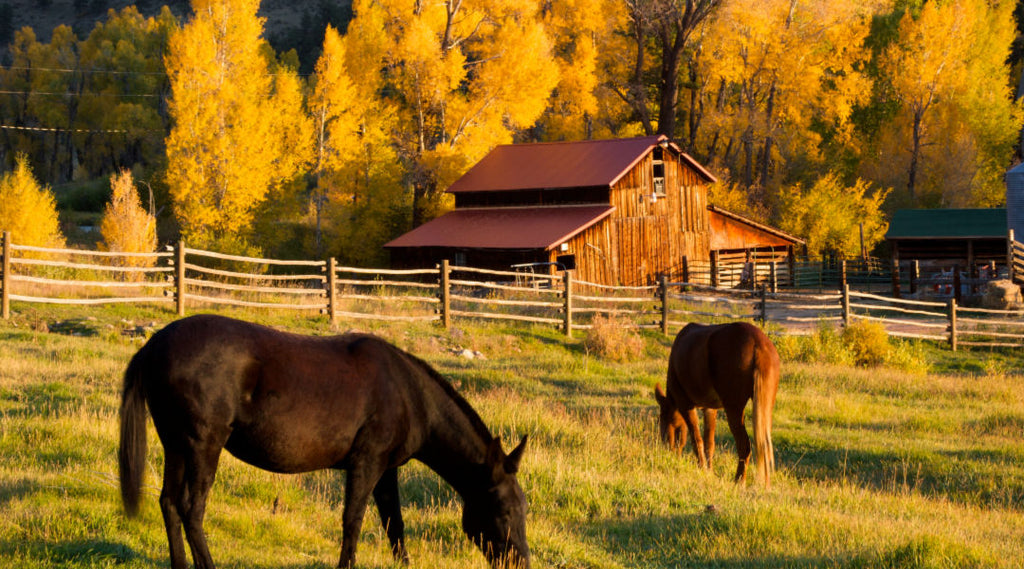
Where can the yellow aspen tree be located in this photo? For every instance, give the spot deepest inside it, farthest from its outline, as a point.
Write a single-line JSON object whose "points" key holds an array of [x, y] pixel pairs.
{"points": [[124, 107], [235, 137], [771, 70], [462, 78], [27, 209], [582, 30], [126, 226], [335, 124], [925, 66]]}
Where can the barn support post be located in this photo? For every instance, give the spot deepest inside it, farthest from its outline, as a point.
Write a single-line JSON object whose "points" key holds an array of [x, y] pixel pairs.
{"points": [[567, 303], [5, 277], [915, 274], [952, 324], [714, 269], [956, 283], [1009, 255], [896, 279], [846, 306], [664, 304], [179, 277], [445, 291], [791, 261], [773, 276], [332, 289]]}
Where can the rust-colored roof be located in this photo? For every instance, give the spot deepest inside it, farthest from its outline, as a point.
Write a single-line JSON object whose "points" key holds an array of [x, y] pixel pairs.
{"points": [[550, 165], [767, 229], [504, 228]]}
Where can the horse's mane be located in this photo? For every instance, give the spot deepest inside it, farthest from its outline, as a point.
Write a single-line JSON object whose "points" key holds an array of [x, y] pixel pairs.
{"points": [[455, 396], [446, 387]]}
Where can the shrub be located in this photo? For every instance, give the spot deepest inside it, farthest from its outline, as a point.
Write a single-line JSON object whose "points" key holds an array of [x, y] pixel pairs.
{"points": [[27, 209], [613, 338], [868, 341]]}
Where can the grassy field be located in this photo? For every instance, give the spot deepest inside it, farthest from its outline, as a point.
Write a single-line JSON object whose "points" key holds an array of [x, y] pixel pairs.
{"points": [[877, 467]]}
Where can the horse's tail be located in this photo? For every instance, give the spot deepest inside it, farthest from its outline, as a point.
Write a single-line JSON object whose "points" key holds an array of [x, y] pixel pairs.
{"points": [[131, 455], [766, 383]]}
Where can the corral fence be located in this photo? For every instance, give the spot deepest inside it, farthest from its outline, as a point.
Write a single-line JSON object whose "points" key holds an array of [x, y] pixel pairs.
{"points": [[186, 279]]}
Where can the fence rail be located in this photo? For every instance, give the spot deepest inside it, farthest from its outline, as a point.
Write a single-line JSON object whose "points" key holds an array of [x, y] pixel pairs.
{"points": [[191, 278]]}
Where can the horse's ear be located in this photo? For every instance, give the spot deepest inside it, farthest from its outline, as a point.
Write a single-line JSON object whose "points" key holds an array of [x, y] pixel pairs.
{"points": [[513, 458]]}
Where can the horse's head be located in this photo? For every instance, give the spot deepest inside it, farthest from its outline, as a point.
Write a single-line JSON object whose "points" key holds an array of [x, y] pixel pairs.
{"points": [[670, 420], [495, 517]]}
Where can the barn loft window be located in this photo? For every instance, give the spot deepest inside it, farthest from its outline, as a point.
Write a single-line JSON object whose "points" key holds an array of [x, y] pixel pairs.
{"points": [[659, 172]]}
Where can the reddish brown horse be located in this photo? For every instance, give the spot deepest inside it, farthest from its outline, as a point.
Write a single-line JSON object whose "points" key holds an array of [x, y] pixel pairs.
{"points": [[290, 403], [716, 367]]}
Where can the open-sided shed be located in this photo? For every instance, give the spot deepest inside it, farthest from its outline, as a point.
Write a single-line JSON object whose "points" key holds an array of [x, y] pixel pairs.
{"points": [[946, 237]]}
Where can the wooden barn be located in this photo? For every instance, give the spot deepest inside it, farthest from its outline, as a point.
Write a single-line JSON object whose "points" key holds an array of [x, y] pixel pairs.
{"points": [[617, 212]]}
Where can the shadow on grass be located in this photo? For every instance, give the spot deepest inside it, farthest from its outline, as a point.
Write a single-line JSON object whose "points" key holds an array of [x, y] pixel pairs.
{"points": [[961, 476]]}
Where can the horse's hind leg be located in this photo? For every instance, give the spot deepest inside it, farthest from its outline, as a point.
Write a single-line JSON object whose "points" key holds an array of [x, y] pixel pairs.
{"points": [[739, 433], [389, 506], [200, 473], [171, 496], [710, 421]]}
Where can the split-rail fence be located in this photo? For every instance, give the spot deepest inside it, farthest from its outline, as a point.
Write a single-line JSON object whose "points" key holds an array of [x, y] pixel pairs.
{"points": [[185, 279]]}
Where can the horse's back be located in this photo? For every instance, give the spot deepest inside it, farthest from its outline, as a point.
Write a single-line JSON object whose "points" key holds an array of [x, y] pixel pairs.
{"points": [[715, 363], [284, 402]]}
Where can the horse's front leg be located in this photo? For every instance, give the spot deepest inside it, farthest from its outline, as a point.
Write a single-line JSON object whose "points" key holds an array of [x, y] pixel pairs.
{"points": [[359, 483], [710, 420], [690, 416], [389, 506]]}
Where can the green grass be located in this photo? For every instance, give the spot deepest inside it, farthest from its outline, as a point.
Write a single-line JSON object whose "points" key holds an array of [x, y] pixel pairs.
{"points": [[876, 467]]}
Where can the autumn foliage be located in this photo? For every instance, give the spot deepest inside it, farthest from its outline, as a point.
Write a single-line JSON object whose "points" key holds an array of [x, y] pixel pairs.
{"points": [[126, 226], [895, 103], [28, 210]]}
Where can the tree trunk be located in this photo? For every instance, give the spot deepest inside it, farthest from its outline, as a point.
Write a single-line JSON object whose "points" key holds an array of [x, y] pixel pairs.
{"points": [[915, 153]]}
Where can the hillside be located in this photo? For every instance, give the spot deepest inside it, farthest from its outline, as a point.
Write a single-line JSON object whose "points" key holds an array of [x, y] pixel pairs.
{"points": [[282, 16]]}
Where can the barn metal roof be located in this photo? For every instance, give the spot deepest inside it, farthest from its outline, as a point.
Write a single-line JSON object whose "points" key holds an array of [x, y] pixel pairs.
{"points": [[505, 227], [551, 165], [948, 224]]}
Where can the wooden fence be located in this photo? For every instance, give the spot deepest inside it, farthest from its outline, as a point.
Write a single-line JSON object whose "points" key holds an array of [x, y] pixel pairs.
{"points": [[186, 279]]}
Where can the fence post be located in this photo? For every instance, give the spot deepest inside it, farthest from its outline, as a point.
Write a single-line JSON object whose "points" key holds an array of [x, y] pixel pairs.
{"points": [[764, 305], [5, 276], [1009, 255], [952, 323], [446, 305], [714, 269], [956, 283], [686, 269], [567, 307], [664, 304], [846, 306], [842, 273], [896, 279], [179, 277], [332, 289]]}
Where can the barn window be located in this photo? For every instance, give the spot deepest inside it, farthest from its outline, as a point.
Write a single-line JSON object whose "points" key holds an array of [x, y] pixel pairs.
{"points": [[658, 163], [459, 259]]}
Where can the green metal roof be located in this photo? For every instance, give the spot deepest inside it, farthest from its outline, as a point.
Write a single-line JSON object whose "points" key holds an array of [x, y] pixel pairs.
{"points": [[948, 224]]}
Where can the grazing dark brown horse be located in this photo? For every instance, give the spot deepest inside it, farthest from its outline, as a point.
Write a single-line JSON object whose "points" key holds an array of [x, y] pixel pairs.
{"points": [[290, 403], [715, 367]]}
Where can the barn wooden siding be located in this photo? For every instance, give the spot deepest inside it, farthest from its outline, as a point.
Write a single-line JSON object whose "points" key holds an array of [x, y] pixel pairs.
{"points": [[646, 237]]}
